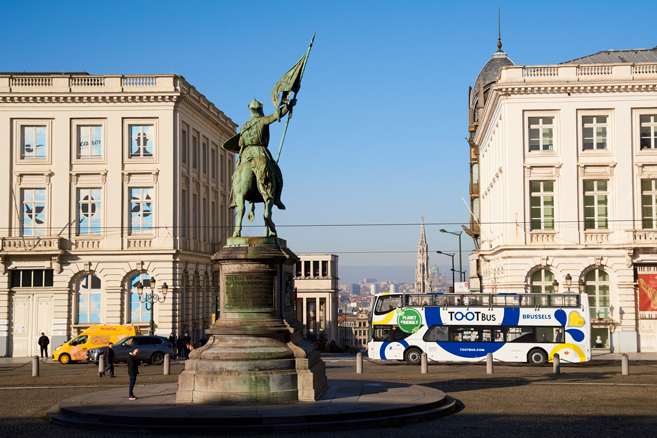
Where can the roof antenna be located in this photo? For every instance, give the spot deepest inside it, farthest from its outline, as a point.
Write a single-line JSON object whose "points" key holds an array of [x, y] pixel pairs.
{"points": [[499, 31]]}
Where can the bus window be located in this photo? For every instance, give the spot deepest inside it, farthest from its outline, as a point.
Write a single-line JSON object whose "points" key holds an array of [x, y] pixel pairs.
{"points": [[545, 334], [387, 303], [398, 335], [558, 335], [520, 334], [436, 333], [464, 334], [492, 335], [382, 334]]}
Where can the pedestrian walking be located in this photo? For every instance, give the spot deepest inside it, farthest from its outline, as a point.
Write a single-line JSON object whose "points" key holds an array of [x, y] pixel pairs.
{"points": [[186, 341], [43, 343], [180, 347], [109, 358], [133, 371], [172, 339]]}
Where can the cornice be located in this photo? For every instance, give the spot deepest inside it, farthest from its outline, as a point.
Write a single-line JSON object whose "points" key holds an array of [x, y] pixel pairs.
{"points": [[86, 98], [574, 88]]}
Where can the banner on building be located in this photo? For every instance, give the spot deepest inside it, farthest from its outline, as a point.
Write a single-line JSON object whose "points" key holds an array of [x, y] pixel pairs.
{"points": [[647, 291]]}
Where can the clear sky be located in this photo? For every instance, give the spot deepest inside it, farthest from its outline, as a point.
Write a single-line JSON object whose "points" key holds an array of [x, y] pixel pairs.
{"points": [[378, 135]]}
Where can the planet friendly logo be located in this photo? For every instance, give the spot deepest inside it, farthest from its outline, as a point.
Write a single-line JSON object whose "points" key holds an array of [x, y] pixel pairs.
{"points": [[409, 320]]}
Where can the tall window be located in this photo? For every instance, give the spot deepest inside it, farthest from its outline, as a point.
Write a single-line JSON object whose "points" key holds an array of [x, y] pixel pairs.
{"points": [[89, 299], [597, 288], [138, 311], [542, 282], [90, 141], [141, 210], [648, 131], [33, 142], [141, 140], [213, 163], [649, 203], [183, 214], [31, 277], [89, 211], [596, 209], [204, 156], [594, 132], [194, 151], [183, 146], [542, 205], [34, 212], [541, 133]]}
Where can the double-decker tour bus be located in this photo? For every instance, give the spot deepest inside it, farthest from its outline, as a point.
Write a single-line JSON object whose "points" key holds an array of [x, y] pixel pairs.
{"points": [[466, 327]]}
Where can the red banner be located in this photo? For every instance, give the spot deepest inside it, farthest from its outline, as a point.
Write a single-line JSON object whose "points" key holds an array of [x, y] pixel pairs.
{"points": [[647, 292]]}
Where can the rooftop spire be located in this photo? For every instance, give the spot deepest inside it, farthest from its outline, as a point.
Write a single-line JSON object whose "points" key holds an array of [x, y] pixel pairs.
{"points": [[499, 31]]}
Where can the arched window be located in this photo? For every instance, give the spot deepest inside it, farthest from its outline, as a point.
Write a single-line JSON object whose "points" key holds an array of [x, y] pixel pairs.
{"points": [[542, 282], [138, 311], [597, 288], [89, 299]]}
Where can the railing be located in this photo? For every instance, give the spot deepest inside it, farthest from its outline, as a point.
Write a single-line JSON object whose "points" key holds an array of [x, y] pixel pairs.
{"points": [[31, 243], [91, 81], [140, 243], [596, 237], [540, 71], [145, 81], [86, 244], [644, 69], [542, 238], [645, 236], [31, 81], [576, 73], [594, 70]]}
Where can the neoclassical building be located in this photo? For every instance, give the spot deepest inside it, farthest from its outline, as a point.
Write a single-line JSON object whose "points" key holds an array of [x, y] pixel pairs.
{"points": [[563, 186], [107, 182]]}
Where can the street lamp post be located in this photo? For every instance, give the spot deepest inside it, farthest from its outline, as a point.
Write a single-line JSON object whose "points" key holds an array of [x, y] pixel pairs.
{"points": [[151, 298], [460, 256], [453, 270]]}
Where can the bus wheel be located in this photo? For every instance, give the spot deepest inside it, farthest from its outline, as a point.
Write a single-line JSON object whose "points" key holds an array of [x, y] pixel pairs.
{"points": [[64, 358], [537, 356], [413, 355]]}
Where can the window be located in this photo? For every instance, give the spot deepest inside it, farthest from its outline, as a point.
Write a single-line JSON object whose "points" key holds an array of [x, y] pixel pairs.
{"points": [[34, 212], [222, 169], [542, 205], [520, 334], [90, 142], [542, 282], [89, 211], [597, 288], [33, 142], [141, 140], [649, 203], [648, 131], [194, 151], [596, 211], [204, 156], [141, 210], [183, 146], [139, 312], [213, 163], [541, 133], [594, 132], [31, 277], [183, 214], [89, 299]]}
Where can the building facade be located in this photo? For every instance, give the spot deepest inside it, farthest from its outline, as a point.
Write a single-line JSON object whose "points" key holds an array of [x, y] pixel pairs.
{"points": [[108, 182], [564, 185], [316, 285], [354, 331]]}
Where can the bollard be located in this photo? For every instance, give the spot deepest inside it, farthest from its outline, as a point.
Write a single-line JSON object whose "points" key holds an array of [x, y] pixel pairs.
{"points": [[359, 363], [556, 362], [489, 363], [101, 363], [35, 366], [167, 364], [625, 365], [424, 369]]}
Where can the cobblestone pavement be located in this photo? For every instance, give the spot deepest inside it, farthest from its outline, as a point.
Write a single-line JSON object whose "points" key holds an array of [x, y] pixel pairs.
{"points": [[593, 399]]}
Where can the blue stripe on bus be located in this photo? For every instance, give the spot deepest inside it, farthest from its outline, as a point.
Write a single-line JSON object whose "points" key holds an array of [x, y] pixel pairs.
{"points": [[382, 351], [576, 334], [470, 349], [432, 315], [511, 316]]}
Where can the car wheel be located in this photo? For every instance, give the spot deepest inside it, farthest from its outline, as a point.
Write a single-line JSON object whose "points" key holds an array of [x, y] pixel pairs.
{"points": [[537, 356], [413, 355], [64, 358], [157, 358]]}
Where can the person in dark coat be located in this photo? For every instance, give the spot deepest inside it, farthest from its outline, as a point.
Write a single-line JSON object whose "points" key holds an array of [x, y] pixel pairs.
{"points": [[180, 347], [172, 339], [186, 341], [43, 343], [109, 358], [133, 371], [203, 341]]}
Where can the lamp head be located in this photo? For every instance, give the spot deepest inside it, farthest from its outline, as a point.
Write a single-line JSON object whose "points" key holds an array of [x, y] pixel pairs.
{"points": [[165, 289], [140, 288], [569, 280], [555, 286], [582, 285]]}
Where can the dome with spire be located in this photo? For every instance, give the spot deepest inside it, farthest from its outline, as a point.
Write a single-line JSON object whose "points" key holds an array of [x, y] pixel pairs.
{"points": [[490, 72]]}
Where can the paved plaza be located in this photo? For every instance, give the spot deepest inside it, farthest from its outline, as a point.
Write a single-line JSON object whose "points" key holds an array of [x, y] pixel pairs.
{"points": [[592, 399]]}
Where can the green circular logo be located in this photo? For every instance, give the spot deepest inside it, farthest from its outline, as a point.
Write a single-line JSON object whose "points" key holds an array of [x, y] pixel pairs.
{"points": [[409, 320]]}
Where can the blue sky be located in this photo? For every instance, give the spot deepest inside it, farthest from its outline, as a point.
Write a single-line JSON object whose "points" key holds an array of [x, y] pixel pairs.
{"points": [[378, 135]]}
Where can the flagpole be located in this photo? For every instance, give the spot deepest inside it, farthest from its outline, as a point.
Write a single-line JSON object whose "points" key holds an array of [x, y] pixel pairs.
{"points": [[280, 148]]}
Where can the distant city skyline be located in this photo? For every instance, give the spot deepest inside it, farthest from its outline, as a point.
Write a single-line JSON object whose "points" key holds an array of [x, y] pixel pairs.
{"points": [[378, 135]]}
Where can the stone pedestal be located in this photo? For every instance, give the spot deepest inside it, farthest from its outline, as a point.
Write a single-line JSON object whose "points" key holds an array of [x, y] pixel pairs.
{"points": [[256, 352]]}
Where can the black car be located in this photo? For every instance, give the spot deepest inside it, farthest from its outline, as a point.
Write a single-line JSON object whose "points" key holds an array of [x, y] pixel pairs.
{"points": [[151, 349]]}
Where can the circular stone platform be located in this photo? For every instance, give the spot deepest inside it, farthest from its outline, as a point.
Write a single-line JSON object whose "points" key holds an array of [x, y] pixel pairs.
{"points": [[344, 405]]}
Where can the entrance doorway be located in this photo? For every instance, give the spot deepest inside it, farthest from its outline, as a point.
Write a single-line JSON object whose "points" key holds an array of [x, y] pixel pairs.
{"points": [[31, 316]]}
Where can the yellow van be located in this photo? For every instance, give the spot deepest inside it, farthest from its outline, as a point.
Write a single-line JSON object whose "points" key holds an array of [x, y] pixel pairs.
{"points": [[96, 336]]}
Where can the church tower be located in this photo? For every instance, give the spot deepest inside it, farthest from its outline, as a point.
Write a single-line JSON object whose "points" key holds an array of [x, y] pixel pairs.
{"points": [[422, 270]]}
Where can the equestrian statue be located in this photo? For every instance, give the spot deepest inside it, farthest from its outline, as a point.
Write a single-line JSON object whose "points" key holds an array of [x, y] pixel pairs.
{"points": [[257, 177]]}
